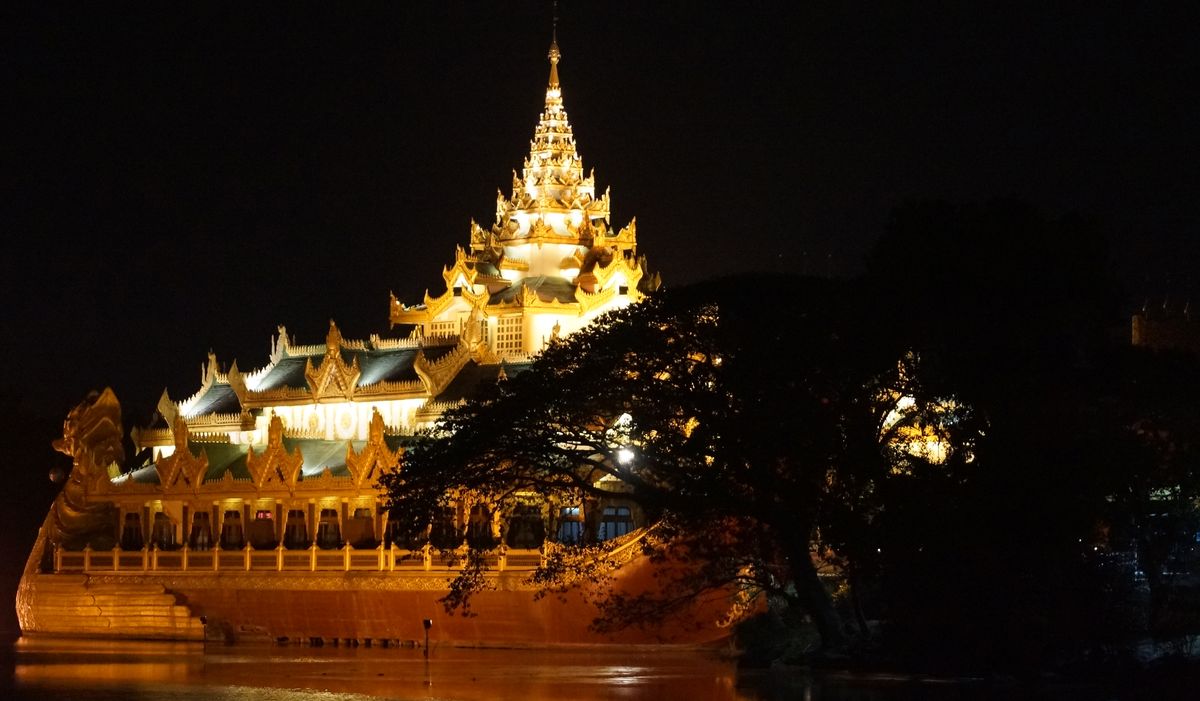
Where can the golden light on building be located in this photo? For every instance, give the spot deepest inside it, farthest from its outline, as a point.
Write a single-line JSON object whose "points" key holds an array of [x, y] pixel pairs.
{"points": [[256, 503]]}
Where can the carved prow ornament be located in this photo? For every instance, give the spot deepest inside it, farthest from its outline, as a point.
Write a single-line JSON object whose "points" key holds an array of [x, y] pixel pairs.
{"points": [[92, 438]]}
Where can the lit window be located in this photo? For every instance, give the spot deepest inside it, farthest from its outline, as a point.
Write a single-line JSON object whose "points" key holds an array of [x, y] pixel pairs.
{"points": [[570, 526], [617, 521], [508, 334]]}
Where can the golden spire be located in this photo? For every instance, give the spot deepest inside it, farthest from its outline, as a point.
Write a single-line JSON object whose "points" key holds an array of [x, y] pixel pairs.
{"points": [[552, 180], [554, 54]]}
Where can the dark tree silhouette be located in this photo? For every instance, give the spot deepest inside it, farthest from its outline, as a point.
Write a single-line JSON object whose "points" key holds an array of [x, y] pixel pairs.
{"points": [[1008, 310], [731, 412], [949, 432]]}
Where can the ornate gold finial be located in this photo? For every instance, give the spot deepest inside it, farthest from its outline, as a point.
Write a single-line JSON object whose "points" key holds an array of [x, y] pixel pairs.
{"points": [[554, 54]]}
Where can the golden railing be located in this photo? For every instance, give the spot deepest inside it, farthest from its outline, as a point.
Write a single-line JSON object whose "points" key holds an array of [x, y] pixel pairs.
{"points": [[281, 559]]}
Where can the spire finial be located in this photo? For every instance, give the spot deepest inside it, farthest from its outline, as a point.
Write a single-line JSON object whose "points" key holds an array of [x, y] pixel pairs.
{"points": [[554, 52]]}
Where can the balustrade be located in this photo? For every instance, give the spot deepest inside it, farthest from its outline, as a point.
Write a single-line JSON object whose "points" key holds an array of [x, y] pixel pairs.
{"points": [[281, 559]]}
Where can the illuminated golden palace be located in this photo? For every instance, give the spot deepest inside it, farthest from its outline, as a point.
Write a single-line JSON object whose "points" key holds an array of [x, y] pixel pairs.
{"points": [[252, 509]]}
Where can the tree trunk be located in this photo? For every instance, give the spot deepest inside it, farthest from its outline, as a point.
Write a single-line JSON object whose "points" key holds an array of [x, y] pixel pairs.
{"points": [[1151, 559], [817, 601], [854, 582]]}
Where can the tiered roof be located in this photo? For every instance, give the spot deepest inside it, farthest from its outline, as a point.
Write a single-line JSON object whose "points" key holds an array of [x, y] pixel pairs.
{"points": [[549, 254], [551, 202]]}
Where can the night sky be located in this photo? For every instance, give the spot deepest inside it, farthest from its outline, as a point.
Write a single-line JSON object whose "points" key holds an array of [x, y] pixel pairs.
{"points": [[187, 176]]}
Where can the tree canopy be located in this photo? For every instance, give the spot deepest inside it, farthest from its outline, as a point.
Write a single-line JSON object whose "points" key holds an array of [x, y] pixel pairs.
{"points": [[950, 431], [724, 413]]}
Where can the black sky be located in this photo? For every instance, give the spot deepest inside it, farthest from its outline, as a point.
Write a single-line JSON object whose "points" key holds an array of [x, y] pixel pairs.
{"points": [[187, 176]]}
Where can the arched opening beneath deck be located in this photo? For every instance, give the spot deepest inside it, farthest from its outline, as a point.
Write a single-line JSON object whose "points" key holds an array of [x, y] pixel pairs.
{"points": [[131, 532], [360, 528], [444, 533], [200, 537], [479, 528], [329, 530], [232, 535], [526, 527], [295, 530]]}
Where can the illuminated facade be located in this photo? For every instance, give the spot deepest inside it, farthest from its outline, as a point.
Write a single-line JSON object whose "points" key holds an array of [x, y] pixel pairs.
{"points": [[254, 503]]}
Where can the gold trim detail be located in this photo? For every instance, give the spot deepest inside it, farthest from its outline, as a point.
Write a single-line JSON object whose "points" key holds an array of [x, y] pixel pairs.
{"points": [[274, 466], [366, 465], [333, 378], [181, 466]]}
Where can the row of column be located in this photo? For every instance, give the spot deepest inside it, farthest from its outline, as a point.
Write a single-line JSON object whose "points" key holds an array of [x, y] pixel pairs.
{"points": [[263, 527], [364, 527]]}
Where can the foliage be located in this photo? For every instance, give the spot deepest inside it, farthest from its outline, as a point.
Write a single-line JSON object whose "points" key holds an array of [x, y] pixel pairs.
{"points": [[1083, 443], [961, 435], [728, 418]]}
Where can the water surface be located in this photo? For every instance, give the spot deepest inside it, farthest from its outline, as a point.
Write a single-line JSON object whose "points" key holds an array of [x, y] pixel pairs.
{"points": [[123, 671], [95, 671]]}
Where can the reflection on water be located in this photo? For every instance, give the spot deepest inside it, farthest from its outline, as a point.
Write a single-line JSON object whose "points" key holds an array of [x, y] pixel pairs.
{"points": [[95, 671], [103, 671]]}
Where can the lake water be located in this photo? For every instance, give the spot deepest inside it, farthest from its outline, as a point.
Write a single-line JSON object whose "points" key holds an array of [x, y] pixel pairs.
{"points": [[105, 671]]}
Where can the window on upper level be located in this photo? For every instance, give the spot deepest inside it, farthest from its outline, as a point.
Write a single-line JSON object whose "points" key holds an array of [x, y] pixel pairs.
{"points": [[444, 328], [508, 334]]}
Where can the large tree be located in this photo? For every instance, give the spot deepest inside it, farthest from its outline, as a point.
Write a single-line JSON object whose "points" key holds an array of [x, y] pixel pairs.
{"points": [[1010, 310], [731, 412]]}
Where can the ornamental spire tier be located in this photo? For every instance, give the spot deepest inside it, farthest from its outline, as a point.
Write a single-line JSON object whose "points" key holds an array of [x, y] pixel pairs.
{"points": [[552, 188], [549, 263]]}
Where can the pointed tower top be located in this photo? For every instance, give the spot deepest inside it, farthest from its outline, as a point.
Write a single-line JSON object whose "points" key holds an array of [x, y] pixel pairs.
{"points": [[554, 54], [552, 193]]}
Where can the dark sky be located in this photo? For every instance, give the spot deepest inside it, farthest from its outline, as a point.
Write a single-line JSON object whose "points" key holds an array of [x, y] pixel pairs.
{"points": [[187, 176]]}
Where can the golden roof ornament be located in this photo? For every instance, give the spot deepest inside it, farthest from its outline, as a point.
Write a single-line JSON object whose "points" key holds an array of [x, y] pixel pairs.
{"points": [[554, 55], [274, 466], [552, 178]]}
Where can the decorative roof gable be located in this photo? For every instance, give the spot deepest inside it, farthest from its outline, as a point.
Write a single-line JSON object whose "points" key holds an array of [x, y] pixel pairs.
{"points": [[181, 471], [367, 464], [333, 378], [274, 467]]}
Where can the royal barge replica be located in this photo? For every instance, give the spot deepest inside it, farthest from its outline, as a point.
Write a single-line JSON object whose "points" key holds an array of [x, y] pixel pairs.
{"points": [[255, 512]]}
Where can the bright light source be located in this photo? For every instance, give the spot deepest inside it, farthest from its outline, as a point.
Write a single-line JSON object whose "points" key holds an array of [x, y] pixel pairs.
{"points": [[624, 456]]}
